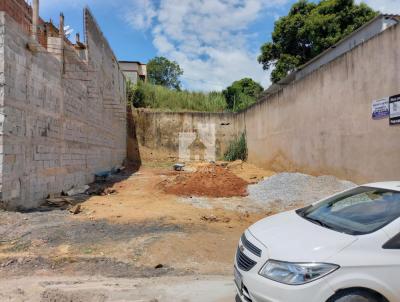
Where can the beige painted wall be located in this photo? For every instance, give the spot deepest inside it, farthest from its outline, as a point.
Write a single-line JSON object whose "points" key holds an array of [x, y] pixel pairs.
{"points": [[322, 124]]}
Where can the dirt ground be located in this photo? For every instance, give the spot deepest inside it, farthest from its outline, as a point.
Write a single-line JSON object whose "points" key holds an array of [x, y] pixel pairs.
{"points": [[138, 229]]}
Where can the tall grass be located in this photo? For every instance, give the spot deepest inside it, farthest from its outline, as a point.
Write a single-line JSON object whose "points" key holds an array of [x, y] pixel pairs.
{"points": [[159, 97], [237, 149]]}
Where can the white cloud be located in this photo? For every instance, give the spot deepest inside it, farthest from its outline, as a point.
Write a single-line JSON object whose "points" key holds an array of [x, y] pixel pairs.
{"points": [[141, 14], [385, 6], [208, 38]]}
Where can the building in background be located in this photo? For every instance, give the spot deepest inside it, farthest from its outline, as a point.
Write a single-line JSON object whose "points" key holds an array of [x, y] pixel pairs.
{"points": [[134, 71]]}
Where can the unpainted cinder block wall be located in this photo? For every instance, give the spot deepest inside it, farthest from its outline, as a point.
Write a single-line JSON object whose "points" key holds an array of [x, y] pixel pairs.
{"points": [[62, 113]]}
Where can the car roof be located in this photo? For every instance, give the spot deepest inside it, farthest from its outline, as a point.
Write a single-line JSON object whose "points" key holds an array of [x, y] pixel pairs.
{"points": [[388, 185]]}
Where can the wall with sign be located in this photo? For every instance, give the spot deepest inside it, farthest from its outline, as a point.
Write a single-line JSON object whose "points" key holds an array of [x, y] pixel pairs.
{"points": [[322, 124]]}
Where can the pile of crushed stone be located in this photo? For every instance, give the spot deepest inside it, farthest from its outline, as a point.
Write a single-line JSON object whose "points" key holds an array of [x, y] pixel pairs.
{"points": [[292, 189]]}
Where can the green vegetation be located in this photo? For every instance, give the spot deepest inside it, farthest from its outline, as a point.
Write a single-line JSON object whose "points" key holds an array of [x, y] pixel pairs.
{"points": [[163, 92], [158, 97], [164, 72], [309, 29], [238, 96], [237, 149], [241, 94]]}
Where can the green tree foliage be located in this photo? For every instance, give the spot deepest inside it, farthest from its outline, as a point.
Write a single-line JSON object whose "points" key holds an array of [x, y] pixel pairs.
{"points": [[309, 29], [242, 94], [161, 71]]}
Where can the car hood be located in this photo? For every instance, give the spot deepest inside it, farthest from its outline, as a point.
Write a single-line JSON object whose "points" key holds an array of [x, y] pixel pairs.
{"points": [[289, 237]]}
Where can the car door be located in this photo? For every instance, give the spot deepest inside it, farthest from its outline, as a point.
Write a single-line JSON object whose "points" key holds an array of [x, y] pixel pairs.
{"points": [[391, 254]]}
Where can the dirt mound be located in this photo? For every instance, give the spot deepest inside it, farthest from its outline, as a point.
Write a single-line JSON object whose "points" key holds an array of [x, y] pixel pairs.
{"points": [[210, 181]]}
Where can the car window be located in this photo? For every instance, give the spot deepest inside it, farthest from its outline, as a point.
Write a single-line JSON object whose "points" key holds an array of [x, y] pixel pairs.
{"points": [[357, 212]]}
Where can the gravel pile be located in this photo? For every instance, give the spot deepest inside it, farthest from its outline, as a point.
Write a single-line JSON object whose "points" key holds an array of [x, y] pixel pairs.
{"points": [[287, 189]]}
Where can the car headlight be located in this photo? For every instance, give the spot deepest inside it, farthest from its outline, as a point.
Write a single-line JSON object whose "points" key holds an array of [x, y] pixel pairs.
{"points": [[296, 273]]}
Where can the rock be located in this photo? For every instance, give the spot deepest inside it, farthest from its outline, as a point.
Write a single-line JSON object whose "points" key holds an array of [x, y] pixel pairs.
{"points": [[109, 192], [158, 266], [77, 190], [76, 209]]}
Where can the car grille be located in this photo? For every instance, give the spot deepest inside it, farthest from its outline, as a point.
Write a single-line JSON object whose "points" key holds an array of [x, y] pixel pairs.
{"points": [[244, 262], [251, 247]]}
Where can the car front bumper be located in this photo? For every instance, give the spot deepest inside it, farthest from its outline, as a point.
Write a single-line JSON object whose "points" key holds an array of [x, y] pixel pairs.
{"points": [[256, 288]]}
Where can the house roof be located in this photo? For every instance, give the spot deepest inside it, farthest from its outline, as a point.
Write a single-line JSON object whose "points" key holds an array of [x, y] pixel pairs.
{"points": [[136, 62]]}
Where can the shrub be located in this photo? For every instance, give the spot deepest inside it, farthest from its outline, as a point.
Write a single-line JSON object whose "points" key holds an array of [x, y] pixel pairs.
{"points": [[135, 95], [237, 149]]}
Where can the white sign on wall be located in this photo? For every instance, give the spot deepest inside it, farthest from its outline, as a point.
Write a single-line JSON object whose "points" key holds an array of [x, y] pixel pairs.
{"points": [[380, 108]]}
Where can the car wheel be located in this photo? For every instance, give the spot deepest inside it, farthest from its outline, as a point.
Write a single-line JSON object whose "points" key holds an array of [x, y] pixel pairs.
{"points": [[356, 296]]}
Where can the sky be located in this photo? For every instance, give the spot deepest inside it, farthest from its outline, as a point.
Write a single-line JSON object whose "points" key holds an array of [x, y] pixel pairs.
{"points": [[215, 42]]}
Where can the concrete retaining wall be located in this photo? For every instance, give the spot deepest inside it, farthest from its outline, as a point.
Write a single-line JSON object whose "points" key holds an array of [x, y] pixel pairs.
{"points": [[160, 130], [63, 118]]}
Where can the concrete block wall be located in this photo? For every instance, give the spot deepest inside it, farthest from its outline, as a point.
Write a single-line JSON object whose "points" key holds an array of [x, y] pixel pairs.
{"points": [[62, 119]]}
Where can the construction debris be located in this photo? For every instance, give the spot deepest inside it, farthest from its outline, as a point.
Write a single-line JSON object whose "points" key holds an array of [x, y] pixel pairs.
{"points": [[76, 209], [179, 167], [59, 201], [102, 176], [77, 190], [213, 218]]}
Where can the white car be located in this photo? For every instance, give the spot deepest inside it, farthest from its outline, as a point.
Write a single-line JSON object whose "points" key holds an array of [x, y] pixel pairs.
{"points": [[345, 248]]}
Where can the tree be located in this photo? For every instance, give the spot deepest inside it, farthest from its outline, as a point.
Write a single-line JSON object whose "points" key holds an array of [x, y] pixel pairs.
{"points": [[242, 94], [309, 29], [164, 72]]}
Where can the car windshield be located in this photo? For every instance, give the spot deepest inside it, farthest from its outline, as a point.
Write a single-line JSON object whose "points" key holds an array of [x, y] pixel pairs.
{"points": [[356, 212]]}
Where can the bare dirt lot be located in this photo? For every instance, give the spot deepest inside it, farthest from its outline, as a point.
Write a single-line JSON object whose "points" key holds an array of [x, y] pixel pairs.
{"points": [[153, 235], [140, 230]]}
